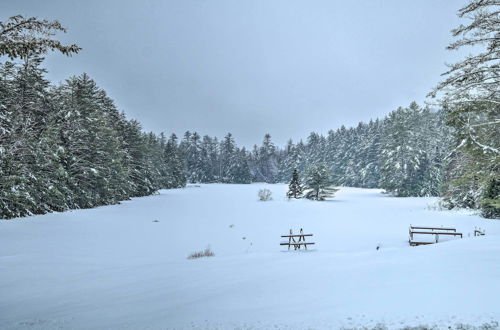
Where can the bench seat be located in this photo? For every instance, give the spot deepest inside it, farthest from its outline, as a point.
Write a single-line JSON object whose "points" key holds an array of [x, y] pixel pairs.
{"points": [[435, 233], [433, 228], [298, 243]]}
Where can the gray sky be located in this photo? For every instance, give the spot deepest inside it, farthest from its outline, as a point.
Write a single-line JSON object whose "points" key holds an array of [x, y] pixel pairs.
{"points": [[251, 67]]}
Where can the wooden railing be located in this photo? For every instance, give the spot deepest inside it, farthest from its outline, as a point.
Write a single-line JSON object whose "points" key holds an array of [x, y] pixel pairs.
{"points": [[436, 231], [301, 240]]}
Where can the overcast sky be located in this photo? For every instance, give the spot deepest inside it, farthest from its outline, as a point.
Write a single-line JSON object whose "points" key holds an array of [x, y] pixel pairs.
{"points": [[252, 67]]}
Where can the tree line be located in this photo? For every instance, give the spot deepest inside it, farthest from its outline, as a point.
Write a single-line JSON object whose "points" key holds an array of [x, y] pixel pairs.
{"points": [[402, 153], [67, 146]]}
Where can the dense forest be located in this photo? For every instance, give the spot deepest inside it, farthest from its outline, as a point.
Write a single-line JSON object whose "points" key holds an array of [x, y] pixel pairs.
{"points": [[402, 153], [67, 146]]}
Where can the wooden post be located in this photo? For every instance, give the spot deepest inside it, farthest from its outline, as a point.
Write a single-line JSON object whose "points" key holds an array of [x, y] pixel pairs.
{"points": [[302, 238]]}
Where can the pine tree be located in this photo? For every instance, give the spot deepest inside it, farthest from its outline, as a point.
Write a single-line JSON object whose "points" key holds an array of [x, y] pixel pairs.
{"points": [[227, 150], [68, 146], [470, 96], [291, 159], [91, 150], [490, 200], [209, 159], [238, 170], [30, 182], [267, 162], [406, 163], [294, 188], [22, 37], [176, 177], [318, 183]]}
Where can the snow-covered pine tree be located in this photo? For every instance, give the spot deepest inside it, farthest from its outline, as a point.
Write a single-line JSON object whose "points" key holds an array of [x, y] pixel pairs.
{"points": [[318, 183], [194, 159], [315, 147], [68, 146], [176, 176], [209, 156], [294, 188], [29, 176], [238, 171], [470, 95], [291, 160], [227, 150], [22, 37], [405, 161], [160, 160], [27, 144], [267, 162], [337, 154], [92, 150], [490, 199], [370, 173]]}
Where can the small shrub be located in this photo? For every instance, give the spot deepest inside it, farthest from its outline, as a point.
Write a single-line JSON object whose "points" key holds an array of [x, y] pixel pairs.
{"points": [[265, 195], [205, 253]]}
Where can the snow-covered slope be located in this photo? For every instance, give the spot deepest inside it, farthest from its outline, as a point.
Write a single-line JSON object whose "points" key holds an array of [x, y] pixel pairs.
{"points": [[114, 267]]}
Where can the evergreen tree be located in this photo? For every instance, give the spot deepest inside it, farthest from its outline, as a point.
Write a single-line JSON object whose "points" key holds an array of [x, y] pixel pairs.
{"points": [[22, 37], [407, 163], [290, 161], [294, 188], [239, 171], [267, 162], [471, 99], [68, 146], [227, 150], [209, 156], [490, 200], [175, 177], [28, 144], [318, 183], [91, 150]]}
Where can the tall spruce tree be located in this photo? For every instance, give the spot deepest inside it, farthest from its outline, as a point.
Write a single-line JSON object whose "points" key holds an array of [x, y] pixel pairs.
{"points": [[294, 188], [267, 162]]}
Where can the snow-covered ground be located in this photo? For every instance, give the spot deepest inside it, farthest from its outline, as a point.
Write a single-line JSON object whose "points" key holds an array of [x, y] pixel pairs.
{"points": [[114, 267]]}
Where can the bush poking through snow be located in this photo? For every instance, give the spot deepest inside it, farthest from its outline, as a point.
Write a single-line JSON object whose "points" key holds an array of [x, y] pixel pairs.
{"points": [[205, 253], [265, 195]]}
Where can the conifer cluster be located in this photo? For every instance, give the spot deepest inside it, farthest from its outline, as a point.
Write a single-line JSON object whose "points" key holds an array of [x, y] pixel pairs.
{"points": [[67, 146]]}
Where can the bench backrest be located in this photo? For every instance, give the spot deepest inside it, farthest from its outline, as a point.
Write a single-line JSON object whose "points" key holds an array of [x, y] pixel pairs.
{"points": [[432, 228]]}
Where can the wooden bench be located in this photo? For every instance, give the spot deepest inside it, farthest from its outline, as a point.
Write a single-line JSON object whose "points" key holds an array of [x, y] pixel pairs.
{"points": [[436, 231], [300, 242], [479, 232], [433, 228]]}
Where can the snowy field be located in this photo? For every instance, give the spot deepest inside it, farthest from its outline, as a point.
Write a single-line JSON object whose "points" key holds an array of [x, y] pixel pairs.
{"points": [[114, 267]]}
